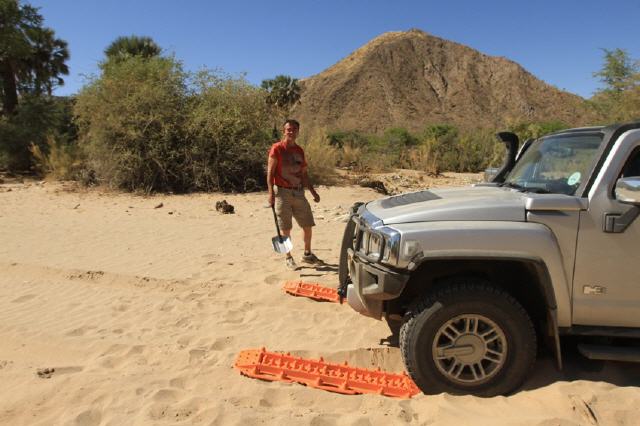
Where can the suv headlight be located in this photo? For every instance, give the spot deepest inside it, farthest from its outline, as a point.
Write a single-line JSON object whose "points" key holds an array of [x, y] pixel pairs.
{"points": [[390, 246], [376, 243]]}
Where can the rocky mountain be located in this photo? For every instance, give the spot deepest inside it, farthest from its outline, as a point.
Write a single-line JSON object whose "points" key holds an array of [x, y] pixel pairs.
{"points": [[412, 79]]}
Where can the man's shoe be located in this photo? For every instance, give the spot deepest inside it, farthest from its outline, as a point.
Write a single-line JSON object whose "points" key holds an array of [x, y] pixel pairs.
{"points": [[312, 259], [291, 264]]}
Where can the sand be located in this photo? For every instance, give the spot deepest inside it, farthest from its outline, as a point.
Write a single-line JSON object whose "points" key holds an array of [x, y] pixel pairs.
{"points": [[115, 312]]}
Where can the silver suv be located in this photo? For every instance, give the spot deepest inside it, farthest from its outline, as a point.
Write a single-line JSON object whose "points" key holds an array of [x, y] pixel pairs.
{"points": [[475, 277]]}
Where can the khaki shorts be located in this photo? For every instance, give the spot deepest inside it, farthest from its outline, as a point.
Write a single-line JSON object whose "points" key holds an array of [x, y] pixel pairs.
{"points": [[292, 202]]}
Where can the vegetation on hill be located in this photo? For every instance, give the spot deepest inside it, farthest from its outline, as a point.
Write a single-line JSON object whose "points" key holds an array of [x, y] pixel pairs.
{"points": [[619, 98]]}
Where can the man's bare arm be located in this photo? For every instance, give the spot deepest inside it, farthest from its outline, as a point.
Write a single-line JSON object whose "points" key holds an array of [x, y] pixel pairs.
{"points": [[271, 172], [306, 182]]}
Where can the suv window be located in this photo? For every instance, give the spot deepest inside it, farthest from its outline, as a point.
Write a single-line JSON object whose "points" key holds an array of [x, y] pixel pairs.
{"points": [[556, 164], [632, 166]]}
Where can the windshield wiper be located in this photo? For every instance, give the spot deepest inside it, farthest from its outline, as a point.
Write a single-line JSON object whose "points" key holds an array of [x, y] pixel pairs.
{"points": [[538, 190], [533, 189], [513, 186]]}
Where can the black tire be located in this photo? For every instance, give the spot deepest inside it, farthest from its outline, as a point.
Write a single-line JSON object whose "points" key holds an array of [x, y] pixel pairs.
{"points": [[347, 243], [468, 301]]}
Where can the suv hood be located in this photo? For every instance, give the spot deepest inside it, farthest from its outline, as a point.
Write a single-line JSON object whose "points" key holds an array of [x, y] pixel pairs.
{"points": [[476, 203]]}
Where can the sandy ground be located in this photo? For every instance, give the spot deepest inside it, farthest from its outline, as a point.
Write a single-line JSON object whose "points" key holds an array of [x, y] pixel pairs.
{"points": [[141, 312]]}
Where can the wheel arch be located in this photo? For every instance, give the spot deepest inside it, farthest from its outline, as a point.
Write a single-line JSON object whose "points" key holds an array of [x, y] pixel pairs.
{"points": [[533, 289]]}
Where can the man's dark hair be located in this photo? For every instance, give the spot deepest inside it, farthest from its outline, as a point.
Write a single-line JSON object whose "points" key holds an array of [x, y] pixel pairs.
{"points": [[292, 122]]}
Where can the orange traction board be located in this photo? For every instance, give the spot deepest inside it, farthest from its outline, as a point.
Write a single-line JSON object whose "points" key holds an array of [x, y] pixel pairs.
{"points": [[340, 378], [311, 290]]}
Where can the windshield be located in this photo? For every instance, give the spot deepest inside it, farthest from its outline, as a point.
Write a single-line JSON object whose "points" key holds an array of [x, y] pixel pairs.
{"points": [[555, 164]]}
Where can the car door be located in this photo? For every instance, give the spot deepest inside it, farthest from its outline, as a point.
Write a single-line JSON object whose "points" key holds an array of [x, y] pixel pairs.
{"points": [[606, 286]]}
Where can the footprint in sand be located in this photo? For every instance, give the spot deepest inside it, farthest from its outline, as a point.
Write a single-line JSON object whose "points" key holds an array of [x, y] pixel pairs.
{"points": [[183, 322], [89, 418], [221, 343], [273, 279], [80, 331], [137, 350], [196, 355], [166, 395], [23, 298], [123, 307], [178, 382]]}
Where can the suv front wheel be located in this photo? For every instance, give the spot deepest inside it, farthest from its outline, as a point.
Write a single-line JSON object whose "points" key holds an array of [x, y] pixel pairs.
{"points": [[468, 337]]}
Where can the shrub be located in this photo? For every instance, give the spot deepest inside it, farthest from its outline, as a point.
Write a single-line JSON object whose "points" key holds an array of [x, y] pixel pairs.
{"points": [[438, 148], [35, 119], [229, 128], [350, 139], [528, 130], [398, 138], [130, 122]]}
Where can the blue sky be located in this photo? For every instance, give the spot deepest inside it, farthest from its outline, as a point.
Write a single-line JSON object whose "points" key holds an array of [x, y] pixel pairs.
{"points": [[558, 41]]}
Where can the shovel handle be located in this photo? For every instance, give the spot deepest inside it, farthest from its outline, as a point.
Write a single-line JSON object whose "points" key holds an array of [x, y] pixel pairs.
{"points": [[275, 219]]}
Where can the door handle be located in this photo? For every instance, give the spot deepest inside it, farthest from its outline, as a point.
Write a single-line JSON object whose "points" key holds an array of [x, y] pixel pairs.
{"points": [[616, 223]]}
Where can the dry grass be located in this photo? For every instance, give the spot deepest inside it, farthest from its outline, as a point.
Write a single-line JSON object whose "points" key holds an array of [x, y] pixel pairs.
{"points": [[321, 158], [62, 162]]}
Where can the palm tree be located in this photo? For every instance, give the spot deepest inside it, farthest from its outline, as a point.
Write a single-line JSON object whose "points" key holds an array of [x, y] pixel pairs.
{"points": [[283, 93], [31, 58], [130, 46], [47, 62]]}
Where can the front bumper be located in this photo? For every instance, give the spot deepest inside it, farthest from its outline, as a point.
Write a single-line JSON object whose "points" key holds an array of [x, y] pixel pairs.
{"points": [[372, 284]]}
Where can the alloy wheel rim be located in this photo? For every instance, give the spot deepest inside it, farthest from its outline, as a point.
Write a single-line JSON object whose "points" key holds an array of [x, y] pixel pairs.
{"points": [[469, 349]]}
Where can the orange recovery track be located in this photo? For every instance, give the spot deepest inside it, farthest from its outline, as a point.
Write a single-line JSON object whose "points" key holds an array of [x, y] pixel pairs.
{"points": [[312, 291], [340, 378]]}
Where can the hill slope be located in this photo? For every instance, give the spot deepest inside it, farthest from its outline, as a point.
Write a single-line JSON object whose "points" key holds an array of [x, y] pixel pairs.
{"points": [[411, 79]]}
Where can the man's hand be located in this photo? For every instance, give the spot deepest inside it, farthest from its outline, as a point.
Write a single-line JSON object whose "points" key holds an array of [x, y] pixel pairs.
{"points": [[316, 196], [272, 199]]}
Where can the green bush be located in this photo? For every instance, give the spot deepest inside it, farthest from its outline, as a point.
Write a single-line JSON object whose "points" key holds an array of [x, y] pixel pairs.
{"points": [[351, 138], [438, 148], [228, 128], [145, 124], [398, 138], [130, 125], [35, 119], [527, 130]]}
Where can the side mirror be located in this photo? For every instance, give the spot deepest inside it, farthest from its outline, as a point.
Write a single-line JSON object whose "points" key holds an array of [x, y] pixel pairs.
{"points": [[628, 190]]}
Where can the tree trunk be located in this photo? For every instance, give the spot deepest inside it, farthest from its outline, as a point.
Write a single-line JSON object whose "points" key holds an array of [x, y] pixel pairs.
{"points": [[9, 89]]}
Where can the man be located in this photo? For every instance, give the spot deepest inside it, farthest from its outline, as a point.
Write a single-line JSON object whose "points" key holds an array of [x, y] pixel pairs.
{"points": [[286, 179]]}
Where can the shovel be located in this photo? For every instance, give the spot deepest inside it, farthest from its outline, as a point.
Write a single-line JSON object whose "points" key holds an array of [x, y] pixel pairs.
{"points": [[280, 244]]}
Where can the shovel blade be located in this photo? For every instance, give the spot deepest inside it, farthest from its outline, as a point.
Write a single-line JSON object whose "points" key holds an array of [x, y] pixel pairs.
{"points": [[284, 246]]}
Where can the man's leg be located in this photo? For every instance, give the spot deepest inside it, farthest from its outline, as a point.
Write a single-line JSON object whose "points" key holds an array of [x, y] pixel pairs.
{"points": [[284, 213], [308, 232], [286, 233], [291, 264], [308, 256]]}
